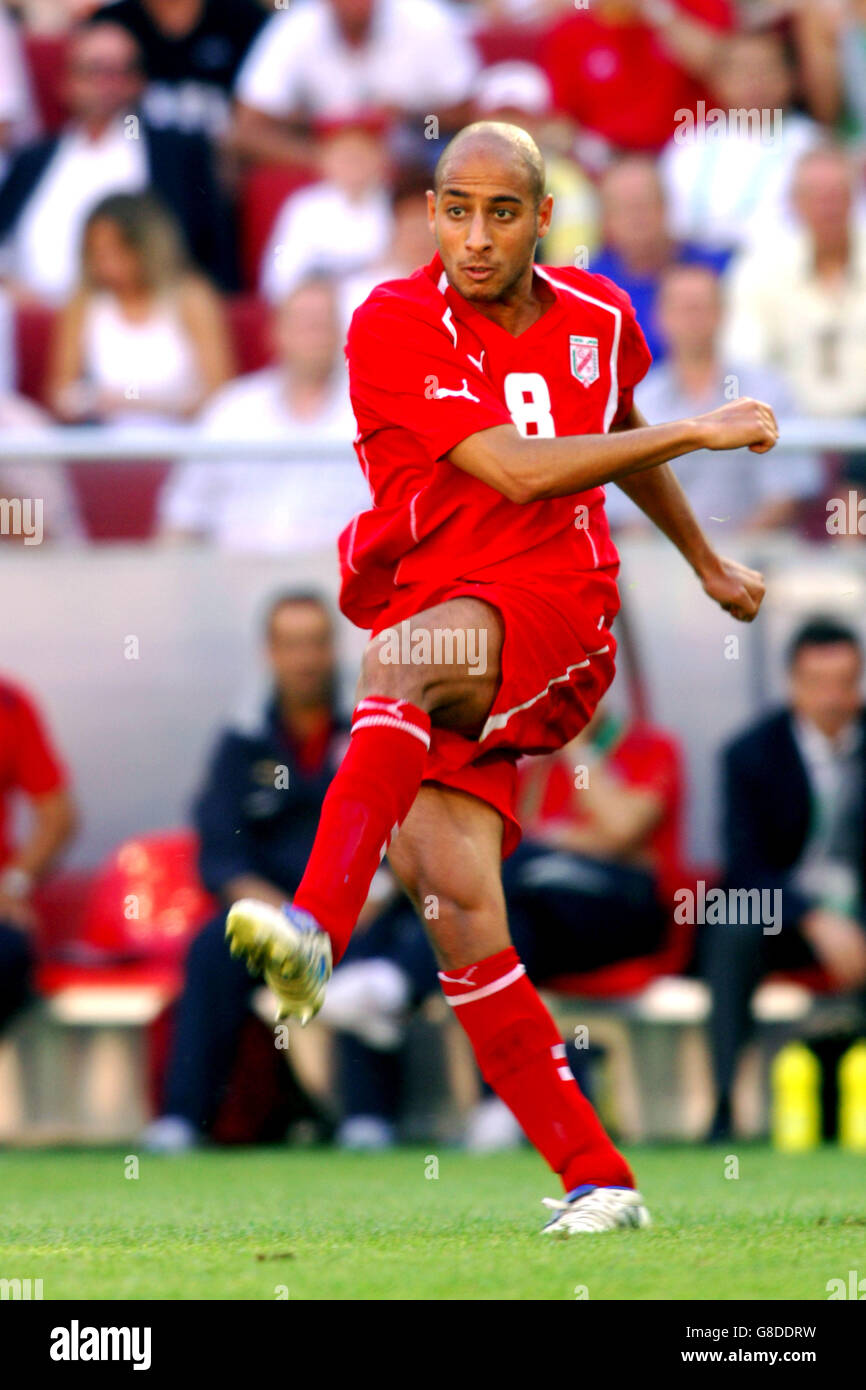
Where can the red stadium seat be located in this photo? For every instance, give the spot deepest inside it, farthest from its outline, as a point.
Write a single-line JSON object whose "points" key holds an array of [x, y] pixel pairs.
{"points": [[34, 325], [142, 909], [46, 59], [504, 43], [263, 192], [250, 332]]}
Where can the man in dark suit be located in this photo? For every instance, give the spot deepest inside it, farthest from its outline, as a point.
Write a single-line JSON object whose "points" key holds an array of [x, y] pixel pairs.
{"points": [[794, 829], [107, 147]]}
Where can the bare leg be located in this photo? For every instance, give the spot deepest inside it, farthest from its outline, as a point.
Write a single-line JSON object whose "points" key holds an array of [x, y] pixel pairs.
{"points": [[447, 855]]}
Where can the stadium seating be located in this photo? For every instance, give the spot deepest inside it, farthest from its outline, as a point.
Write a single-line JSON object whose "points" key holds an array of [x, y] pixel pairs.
{"points": [[263, 191], [46, 56], [111, 949], [119, 502]]}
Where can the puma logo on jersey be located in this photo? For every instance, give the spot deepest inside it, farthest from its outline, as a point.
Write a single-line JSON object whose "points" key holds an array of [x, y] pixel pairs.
{"points": [[464, 391]]}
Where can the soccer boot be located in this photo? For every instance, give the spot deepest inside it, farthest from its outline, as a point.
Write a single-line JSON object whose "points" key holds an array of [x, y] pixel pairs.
{"points": [[590, 1209], [288, 947]]}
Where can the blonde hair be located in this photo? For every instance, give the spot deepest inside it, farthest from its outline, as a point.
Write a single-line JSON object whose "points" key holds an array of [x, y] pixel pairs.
{"points": [[146, 228]]}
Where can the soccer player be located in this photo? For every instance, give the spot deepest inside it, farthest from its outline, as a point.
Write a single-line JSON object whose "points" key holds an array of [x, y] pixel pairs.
{"points": [[493, 399]]}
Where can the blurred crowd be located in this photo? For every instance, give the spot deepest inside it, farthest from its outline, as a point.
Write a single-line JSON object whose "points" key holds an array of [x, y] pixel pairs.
{"points": [[197, 194]]}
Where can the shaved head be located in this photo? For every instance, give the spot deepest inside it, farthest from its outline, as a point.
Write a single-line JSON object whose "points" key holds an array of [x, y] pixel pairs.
{"points": [[507, 143]]}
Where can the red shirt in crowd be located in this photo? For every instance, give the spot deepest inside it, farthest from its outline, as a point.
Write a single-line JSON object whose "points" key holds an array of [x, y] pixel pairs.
{"points": [[28, 762], [643, 757], [620, 80]]}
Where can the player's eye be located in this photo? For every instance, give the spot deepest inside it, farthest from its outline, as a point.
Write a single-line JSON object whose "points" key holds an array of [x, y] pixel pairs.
{"points": [[453, 211]]}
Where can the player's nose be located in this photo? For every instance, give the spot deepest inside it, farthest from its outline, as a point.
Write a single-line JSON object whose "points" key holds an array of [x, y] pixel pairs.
{"points": [[478, 235]]}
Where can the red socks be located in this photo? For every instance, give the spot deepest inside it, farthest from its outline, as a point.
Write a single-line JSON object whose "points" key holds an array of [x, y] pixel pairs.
{"points": [[366, 803], [522, 1056]]}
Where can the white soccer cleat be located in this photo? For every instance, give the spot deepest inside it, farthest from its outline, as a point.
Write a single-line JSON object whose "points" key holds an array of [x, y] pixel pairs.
{"points": [[288, 947], [589, 1209]]}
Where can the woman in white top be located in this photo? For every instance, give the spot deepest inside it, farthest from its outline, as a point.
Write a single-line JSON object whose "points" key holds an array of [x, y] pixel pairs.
{"points": [[143, 341]]}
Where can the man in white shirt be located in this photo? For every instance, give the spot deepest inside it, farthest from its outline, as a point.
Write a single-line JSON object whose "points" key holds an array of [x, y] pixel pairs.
{"points": [[107, 147], [727, 179], [339, 226], [331, 58], [799, 303], [739, 493], [294, 505]]}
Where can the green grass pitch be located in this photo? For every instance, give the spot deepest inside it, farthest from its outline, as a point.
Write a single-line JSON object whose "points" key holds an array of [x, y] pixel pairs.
{"points": [[319, 1224]]}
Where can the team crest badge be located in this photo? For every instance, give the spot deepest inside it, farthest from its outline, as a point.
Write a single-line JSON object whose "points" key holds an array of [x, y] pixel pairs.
{"points": [[584, 359]]}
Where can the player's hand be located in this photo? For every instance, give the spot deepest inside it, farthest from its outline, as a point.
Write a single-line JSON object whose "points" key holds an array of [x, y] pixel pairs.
{"points": [[736, 588], [740, 424]]}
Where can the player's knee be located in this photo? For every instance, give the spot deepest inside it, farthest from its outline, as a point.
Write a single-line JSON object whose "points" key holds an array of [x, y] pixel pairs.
{"points": [[395, 679]]}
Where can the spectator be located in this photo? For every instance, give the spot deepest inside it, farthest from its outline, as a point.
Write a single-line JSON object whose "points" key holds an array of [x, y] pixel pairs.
{"points": [[798, 303], [794, 829], [278, 506], [727, 179], [727, 488], [831, 45], [106, 148], [411, 244], [28, 765], [143, 341], [638, 245], [256, 816], [519, 94], [18, 121], [192, 51], [332, 58], [340, 224], [621, 69]]}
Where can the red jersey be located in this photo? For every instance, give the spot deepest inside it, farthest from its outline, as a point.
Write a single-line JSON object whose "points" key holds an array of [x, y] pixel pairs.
{"points": [[28, 762], [427, 370], [621, 80]]}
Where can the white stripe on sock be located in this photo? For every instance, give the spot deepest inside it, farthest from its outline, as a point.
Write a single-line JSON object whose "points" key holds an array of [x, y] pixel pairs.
{"points": [[493, 988], [370, 720]]}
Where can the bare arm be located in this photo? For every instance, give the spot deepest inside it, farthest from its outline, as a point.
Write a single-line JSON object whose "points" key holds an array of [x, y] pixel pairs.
{"points": [[530, 470], [691, 42], [54, 823], [265, 139], [66, 361], [660, 497], [205, 322]]}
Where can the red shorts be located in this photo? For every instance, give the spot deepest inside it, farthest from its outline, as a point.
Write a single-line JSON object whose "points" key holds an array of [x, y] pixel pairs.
{"points": [[557, 661]]}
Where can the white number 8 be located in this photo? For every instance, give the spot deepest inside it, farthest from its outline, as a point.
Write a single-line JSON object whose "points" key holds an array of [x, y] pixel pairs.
{"points": [[528, 399]]}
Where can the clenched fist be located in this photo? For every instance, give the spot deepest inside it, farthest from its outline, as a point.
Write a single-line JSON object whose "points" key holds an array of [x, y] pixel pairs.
{"points": [[739, 424]]}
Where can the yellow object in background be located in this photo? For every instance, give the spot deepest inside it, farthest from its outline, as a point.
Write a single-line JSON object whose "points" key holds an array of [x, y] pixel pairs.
{"points": [[852, 1098], [795, 1082]]}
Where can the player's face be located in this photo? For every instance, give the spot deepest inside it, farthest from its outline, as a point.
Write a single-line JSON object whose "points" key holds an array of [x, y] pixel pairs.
{"points": [[825, 686], [486, 224]]}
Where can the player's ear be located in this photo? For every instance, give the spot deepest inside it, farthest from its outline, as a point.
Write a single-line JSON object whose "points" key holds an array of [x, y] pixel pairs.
{"points": [[431, 209], [545, 212]]}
